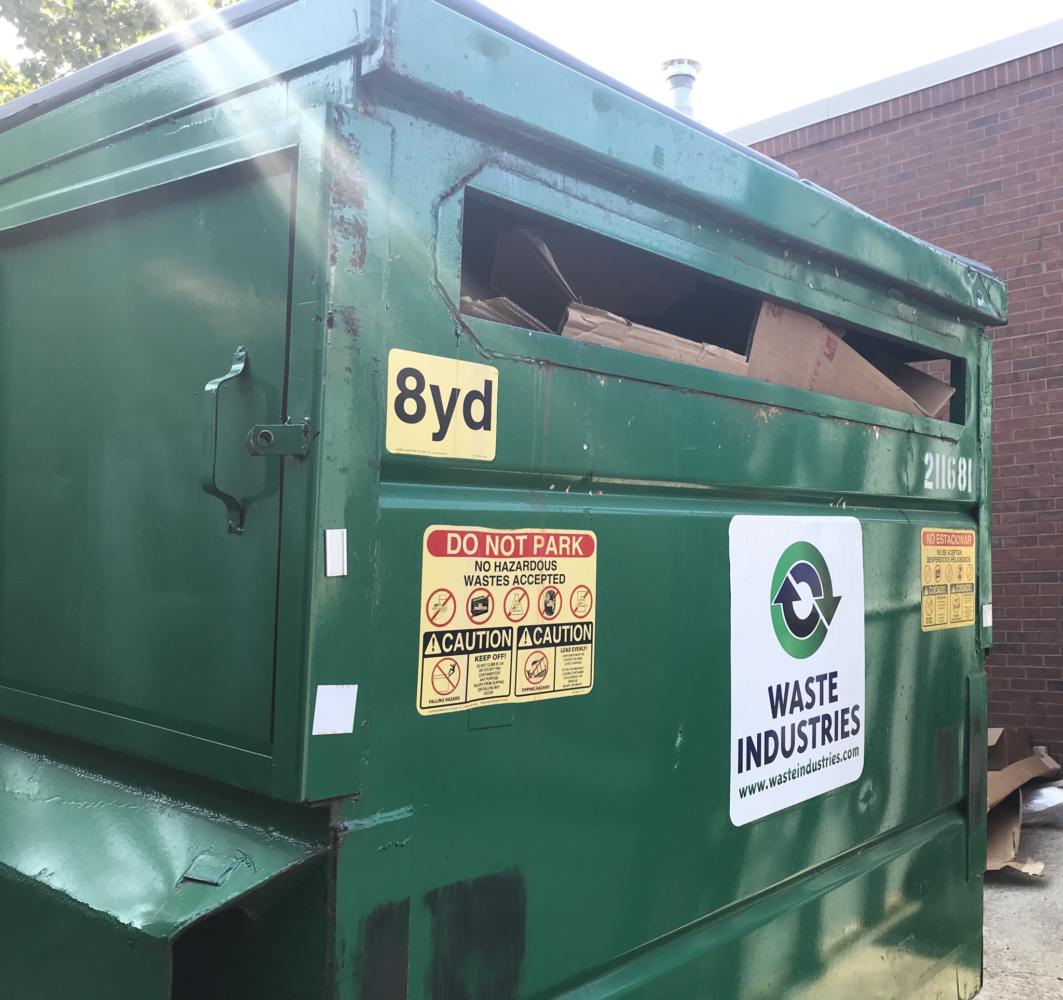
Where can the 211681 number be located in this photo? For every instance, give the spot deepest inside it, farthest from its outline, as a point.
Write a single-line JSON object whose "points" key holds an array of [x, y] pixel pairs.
{"points": [[948, 472]]}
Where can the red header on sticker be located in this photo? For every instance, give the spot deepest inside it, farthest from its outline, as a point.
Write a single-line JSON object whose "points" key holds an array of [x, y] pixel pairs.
{"points": [[953, 539], [475, 544]]}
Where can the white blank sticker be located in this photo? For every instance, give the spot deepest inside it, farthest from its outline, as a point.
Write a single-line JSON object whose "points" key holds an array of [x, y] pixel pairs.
{"points": [[334, 709], [335, 552], [987, 616]]}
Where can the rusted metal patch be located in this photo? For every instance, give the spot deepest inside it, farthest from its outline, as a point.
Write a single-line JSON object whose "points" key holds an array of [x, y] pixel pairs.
{"points": [[384, 952], [478, 931]]}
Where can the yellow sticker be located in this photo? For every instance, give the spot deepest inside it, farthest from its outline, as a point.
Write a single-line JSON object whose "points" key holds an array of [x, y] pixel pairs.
{"points": [[506, 616], [441, 407], [947, 565]]}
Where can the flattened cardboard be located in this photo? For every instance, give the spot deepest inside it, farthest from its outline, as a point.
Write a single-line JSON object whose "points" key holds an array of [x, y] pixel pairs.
{"points": [[1004, 799], [787, 347], [596, 326], [1002, 832], [1006, 745], [502, 310], [792, 348], [623, 279], [1003, 828], [930, 394], [526, 272], [1000, 784], [543, 273], [1027, 867]]}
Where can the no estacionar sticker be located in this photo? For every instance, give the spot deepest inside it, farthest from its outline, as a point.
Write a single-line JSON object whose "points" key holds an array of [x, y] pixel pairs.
{"points": [[948, 572]]}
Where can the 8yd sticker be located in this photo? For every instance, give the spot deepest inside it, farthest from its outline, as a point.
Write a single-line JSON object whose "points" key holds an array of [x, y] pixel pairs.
{"points": [[441, 407], [506, 616]]}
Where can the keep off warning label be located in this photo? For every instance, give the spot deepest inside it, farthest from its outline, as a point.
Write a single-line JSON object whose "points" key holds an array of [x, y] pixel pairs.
{"points": [[947, 565], [506, 616]]}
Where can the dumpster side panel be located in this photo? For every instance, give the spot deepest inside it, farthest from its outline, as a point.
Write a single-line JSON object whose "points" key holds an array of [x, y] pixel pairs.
{"points": [[105, 419], [577, 846], [52, 950], [856, 928], [181, 246], [581, 829]]}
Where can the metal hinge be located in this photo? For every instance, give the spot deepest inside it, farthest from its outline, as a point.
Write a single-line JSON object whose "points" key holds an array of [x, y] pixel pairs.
{"points": [[272, 440]]}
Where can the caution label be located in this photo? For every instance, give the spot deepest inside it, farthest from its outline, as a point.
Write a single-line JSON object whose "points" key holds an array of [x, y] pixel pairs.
{"points": [[947, 565], [506, 616]]}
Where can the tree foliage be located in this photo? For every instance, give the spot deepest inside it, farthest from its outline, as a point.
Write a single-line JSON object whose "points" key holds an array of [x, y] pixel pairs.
{"points": [[12, 82], [64, 35]]}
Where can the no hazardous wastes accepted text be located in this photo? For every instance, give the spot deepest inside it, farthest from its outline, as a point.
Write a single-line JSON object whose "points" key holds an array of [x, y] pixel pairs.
{"points": [[948, 571], [506, 616]]}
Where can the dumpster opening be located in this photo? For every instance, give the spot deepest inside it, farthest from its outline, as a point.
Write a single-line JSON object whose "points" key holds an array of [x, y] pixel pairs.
{"points": [[524, 269], [543, 266], [205, 955]]}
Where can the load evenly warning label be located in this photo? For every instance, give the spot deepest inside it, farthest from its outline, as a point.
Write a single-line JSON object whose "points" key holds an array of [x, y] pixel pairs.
{"points": [[947, 564], [506, 616]]}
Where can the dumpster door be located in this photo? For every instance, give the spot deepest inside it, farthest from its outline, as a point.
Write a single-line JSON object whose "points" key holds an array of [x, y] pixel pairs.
{"points": [[138, 605]]}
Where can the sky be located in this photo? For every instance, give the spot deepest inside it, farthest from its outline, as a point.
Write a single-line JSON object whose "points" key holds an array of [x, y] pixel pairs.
{"points": [[8, 41], [760, 57]]}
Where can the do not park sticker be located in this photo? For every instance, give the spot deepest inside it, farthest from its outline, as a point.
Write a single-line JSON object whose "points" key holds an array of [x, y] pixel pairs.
{"points": [[797, 660], [507, 615]]}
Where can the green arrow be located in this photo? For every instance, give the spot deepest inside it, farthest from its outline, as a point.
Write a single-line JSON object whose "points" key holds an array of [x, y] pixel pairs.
{"points": [[828, 603]]}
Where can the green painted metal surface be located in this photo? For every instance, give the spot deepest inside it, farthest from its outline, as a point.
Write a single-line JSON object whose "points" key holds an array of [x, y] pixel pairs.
{"points": [[105, 866], [151, 862], [296, 188]]}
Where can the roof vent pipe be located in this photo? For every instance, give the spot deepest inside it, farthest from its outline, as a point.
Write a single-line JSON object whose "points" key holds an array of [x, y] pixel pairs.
{"points": [[681, 74]]}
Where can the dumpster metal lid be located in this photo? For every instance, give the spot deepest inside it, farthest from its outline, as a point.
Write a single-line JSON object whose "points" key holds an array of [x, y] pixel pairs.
{"points": [[987, 301], [148, 861], [132, 59], [477, 11], [167, 43]]}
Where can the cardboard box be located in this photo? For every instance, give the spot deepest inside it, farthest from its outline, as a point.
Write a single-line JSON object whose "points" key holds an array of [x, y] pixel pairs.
{"points": [[1003, 827], [1006, 746], [525, 272], [1000, 784], [596, 326], [501, 310], [792, 348], [930, 394], [1004, 798], [532, 290]]}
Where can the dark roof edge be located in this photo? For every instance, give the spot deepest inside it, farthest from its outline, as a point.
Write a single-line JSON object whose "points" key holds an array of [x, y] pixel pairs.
{"points": [[130, 60]]}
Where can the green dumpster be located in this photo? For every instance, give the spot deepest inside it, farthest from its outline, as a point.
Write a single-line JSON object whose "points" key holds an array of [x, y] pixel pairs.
{"points": [[470, 533]]}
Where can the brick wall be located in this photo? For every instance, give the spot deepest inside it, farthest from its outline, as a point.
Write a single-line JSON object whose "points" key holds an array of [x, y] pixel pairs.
{"points": [[976, 166]]}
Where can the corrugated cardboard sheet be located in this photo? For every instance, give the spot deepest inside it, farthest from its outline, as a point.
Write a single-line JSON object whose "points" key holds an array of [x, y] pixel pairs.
{"points": [[596, 326], [530, 288], [792, 348], [1004, 798]]}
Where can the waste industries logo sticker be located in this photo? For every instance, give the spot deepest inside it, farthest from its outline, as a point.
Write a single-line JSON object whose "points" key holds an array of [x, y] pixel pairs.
{"points": [[801, 625], [797, 660]]}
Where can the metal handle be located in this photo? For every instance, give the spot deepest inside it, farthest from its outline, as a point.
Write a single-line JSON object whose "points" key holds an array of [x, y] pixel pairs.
{"points": [[212, 391]]}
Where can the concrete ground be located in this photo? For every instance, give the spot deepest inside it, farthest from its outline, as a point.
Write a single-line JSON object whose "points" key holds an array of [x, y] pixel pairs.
{"points": [[1024, 924]]}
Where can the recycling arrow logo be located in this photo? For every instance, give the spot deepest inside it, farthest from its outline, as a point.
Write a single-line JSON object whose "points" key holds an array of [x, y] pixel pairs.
{"points": [[803, 602]]}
